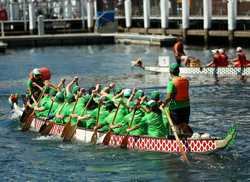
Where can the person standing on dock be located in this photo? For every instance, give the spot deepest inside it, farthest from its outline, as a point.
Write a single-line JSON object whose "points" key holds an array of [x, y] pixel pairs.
{"points": [[178, 98], [178, 50]]}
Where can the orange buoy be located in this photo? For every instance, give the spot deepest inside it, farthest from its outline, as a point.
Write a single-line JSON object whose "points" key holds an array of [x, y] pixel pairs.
{"points": [[46, 74]]}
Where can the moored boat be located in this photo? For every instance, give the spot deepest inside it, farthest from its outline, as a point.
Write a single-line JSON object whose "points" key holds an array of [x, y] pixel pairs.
{"points": [[145, 143]]}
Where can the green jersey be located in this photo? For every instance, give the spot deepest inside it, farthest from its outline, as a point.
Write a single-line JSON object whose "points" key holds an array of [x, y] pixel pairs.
{"points": [[155, 126], [44, 103], [142, 130]]}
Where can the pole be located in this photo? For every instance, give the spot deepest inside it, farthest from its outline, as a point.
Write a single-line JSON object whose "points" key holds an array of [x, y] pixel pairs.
{"points": [[128, 13], [146, 14], [164, 5]]}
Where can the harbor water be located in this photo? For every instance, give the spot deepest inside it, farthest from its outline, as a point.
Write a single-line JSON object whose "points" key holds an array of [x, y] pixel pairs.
{"points": [[27, 156]]}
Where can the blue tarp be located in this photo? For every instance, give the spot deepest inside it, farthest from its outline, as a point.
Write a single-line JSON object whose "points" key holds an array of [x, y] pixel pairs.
{"points": [[104, 17]]}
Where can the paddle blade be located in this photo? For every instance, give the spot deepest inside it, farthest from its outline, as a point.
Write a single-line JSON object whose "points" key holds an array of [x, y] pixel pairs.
{"points": [[26, 114], [94, 137], [42, 127], [27, 122], [69, 133], [107, 138], [66, 128], [47, 129], [124, 142]]}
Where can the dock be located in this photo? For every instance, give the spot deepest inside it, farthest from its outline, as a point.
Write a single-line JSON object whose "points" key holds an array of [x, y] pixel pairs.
{"points": [[86, 39], [3, 46]]}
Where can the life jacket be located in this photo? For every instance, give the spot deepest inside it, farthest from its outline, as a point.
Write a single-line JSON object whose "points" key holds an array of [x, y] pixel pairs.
{"points": [[223, 60], [178, 49], [241, 61], [216, 60], [181, 84]]}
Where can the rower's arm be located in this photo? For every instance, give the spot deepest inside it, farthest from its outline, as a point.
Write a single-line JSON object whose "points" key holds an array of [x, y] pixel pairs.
{"points": [[81, 118], [134, 128], [51, 85], [168, 98], [38, 86], [69, 86]]}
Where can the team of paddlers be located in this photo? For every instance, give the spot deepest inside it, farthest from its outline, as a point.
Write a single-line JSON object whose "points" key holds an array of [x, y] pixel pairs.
{"points": [[124, 111], [219, 58], [111, 107]]}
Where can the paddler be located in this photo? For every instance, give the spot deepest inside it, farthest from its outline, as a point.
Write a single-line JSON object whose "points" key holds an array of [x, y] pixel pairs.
{"points": [[119, 127], [137, 127], [178, 98], [223, 58], [178, 50], [215, 60], [35, 84], [241, 59], [154, 121], [68, 107], [43, 108]]}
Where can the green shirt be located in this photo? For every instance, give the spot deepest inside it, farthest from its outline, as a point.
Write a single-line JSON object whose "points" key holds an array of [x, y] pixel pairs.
{"points": [[142, 130], [91, 122], [59, 111], [155, 126], [171, 89], [44, 103]]}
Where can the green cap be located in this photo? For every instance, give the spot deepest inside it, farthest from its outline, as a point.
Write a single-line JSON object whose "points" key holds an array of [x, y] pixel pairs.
{"points": [[139, 94], [59, 97], [174, 69], [52, 92], [70, 98], [75, 89], [132, 104], [36, 72], [155, 95], [118, 90], [152, 103], [127, 92]]}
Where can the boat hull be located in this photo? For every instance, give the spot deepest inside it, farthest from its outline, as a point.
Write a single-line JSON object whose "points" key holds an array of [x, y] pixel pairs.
{"points": [[143, 143], [205, 71]]}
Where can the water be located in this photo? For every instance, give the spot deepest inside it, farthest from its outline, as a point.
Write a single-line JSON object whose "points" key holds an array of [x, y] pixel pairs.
{"points": [[30, 157]]}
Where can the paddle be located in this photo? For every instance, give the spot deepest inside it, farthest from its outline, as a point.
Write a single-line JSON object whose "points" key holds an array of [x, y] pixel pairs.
{"points": [[68, 125], [181, 147], [72, 129], [28, 120], [44, 126], [125, 139], [109, 133], [94, 136]]}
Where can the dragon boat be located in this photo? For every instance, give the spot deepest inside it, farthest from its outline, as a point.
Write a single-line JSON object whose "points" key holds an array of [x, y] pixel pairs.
{"points": [[140, 143], [146, 143], [163, 67]]}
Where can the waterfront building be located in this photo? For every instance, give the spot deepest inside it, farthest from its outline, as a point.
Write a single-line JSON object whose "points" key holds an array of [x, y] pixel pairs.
{"points": [[185, 17]]}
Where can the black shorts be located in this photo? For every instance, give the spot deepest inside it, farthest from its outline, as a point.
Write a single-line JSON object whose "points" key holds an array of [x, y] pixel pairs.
{"points": [[180, 115]]}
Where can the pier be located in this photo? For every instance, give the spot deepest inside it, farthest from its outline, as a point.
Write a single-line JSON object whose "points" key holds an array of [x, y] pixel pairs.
{"points": [[206, 21]]}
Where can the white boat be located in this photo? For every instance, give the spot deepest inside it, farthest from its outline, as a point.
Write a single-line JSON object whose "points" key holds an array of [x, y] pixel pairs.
{"points": [[163, 67]]}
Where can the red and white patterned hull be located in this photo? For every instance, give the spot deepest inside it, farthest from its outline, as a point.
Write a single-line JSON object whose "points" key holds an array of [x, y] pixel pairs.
{"points": [[144, 143]]}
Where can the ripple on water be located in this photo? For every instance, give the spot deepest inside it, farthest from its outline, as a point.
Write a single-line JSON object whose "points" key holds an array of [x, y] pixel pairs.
{"points": [[214, 108]]}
